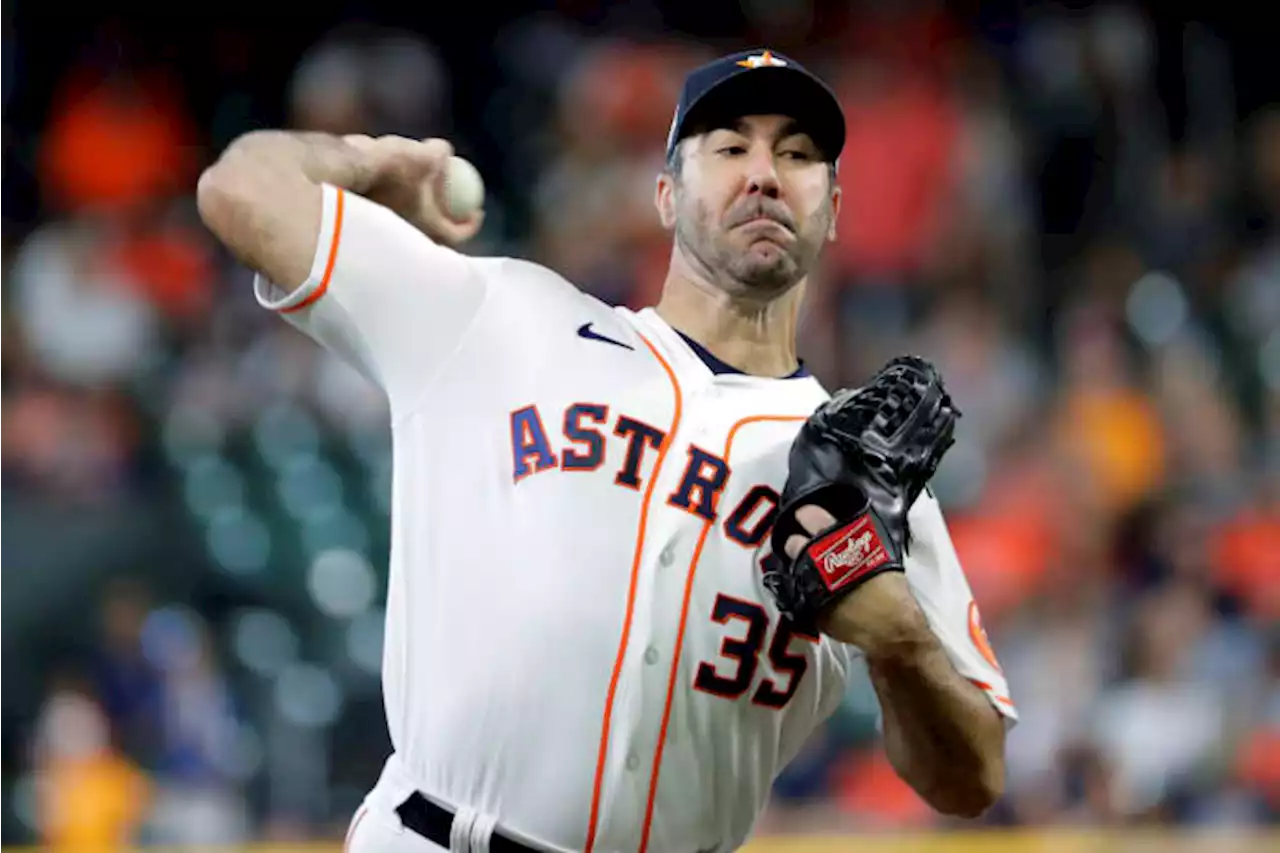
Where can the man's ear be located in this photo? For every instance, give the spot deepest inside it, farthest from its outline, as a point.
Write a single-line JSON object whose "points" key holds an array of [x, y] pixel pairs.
{"points": [[665, 200], [835, 214]]}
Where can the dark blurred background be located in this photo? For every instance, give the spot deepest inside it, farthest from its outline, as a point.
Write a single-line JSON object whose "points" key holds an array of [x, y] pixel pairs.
{"points": [[1072, 207]]}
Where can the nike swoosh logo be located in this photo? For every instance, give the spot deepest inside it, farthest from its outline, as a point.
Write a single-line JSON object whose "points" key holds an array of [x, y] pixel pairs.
{"points": [[585, 331]]}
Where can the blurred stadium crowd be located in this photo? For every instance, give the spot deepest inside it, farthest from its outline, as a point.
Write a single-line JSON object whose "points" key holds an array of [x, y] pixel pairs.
{"points": [[1073, 208]]}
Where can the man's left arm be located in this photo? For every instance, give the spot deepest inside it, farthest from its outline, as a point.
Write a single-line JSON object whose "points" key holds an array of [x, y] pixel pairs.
{"points": [[942, 695], [941, 733]]}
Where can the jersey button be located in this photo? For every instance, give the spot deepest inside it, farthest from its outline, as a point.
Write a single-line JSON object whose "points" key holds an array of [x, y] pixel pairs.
{"points": [[651, 655], [633, 761], [667, 556]]}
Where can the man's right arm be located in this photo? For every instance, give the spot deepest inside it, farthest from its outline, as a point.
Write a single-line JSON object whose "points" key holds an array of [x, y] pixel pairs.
{"points": [[263, 197], [350, 247]]}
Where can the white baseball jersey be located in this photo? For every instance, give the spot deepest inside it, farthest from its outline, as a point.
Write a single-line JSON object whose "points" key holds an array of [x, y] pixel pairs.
{"points": [[578, 644]]}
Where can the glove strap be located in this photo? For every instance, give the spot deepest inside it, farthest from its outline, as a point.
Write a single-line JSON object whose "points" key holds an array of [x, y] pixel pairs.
{"points": [[850, 553]]}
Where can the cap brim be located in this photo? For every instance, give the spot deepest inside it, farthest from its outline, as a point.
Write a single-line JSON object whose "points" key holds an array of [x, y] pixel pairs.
{"points": [[771, 91]]}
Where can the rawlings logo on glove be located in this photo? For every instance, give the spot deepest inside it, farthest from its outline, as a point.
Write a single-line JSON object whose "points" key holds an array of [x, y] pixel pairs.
{"points": [[864, 456], [851, 552]]}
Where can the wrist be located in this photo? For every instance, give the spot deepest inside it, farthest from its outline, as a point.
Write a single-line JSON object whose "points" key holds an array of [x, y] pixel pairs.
{"points": [[329, 159]]}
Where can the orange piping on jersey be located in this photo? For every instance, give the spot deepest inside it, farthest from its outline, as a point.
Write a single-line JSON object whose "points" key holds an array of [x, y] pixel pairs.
{"points": [[1005, 700], [602, 754], [333, 257], [684, 617]]}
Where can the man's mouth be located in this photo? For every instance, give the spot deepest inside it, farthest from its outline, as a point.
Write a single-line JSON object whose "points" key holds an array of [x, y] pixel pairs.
{"points": [[764, 224], [766, 228]]}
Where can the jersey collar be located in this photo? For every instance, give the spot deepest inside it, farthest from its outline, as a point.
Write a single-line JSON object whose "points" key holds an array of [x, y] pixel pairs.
{"points": [[720, 368], [674, 339]]}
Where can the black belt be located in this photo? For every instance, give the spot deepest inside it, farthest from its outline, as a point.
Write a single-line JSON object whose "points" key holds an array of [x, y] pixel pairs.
{"points": [[434, 823]]}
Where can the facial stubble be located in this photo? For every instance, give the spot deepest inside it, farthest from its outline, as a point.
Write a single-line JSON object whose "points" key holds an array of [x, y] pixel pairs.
{"points": [[744, 271]]}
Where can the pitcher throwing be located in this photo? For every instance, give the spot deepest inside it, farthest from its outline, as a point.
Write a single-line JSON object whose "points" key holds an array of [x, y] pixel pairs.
{"points": [[625, 584]]}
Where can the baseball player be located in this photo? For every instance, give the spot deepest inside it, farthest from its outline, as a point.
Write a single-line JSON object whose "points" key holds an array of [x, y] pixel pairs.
{"points": [[581, 650]]}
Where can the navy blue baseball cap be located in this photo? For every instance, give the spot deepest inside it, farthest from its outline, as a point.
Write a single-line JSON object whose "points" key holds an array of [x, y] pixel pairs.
{"points": [[758, 82]]}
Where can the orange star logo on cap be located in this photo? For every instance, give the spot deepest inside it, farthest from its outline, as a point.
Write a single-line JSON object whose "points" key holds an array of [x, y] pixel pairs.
{"points": [[761, 60]]}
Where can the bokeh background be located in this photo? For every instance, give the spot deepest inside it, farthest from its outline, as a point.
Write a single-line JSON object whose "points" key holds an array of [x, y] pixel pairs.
{"points": [[1074, 208]]}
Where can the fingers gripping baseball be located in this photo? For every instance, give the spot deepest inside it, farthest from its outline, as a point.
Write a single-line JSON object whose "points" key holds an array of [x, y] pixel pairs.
{"points": [[414, 179]]}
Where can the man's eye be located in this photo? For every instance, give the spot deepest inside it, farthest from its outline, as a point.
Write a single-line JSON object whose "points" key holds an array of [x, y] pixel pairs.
{"points": [[733, 149], [796, 155]]}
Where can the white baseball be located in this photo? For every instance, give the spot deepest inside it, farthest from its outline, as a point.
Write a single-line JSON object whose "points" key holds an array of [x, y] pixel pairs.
{"points": [[463, 189]]}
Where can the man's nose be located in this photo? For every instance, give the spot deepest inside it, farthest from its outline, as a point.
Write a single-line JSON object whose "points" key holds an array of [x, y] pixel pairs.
{"points": [[762, 173]]}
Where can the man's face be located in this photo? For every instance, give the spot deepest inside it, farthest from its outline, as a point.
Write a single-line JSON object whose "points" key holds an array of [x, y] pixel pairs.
{"points": [[752, 204]]}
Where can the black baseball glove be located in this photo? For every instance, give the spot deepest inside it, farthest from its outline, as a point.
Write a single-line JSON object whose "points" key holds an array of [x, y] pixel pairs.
{"points": [[864, 456]]}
